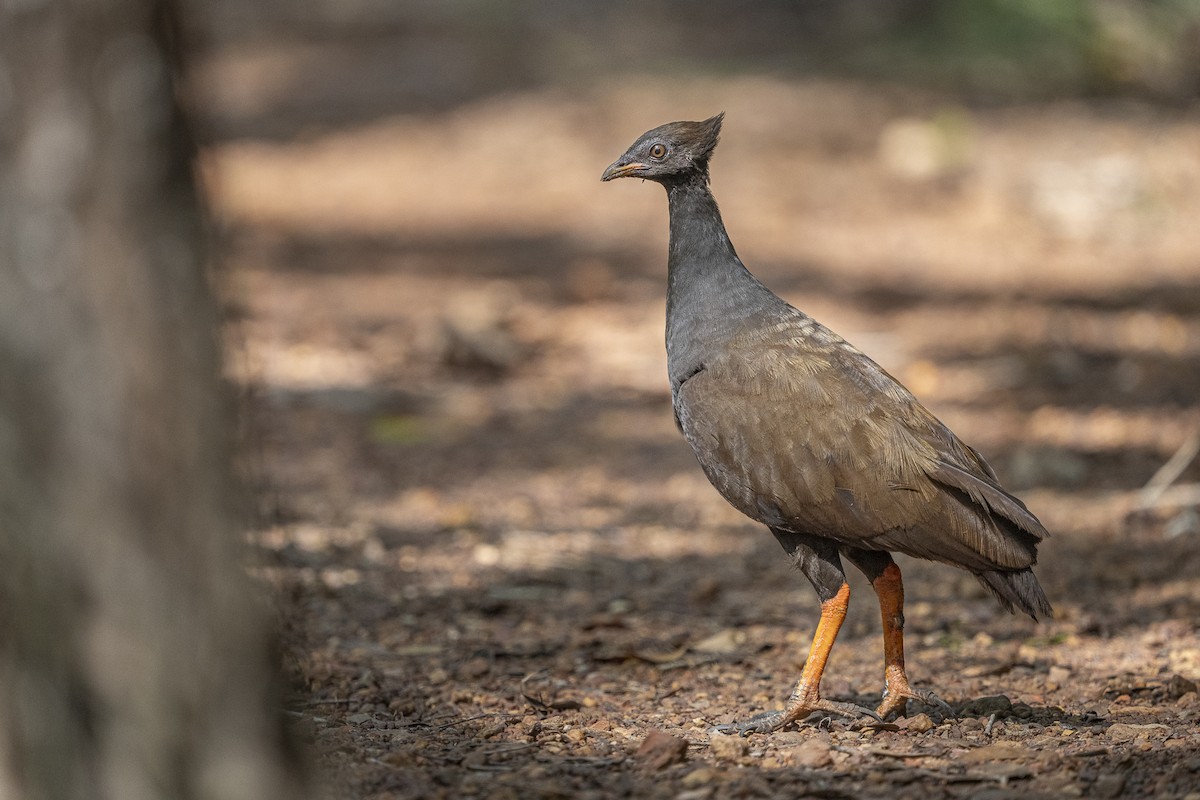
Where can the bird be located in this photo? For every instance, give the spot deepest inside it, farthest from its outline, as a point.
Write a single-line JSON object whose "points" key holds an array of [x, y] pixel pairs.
{"points": [[802, 432]]}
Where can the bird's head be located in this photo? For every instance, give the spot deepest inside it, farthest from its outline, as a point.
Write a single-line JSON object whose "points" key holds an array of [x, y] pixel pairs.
{"points": [[669, 151]]}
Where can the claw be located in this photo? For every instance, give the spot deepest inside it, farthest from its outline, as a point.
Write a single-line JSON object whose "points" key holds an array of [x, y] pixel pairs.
{"points": [[897, 701], [927, 697], [843, 709]]}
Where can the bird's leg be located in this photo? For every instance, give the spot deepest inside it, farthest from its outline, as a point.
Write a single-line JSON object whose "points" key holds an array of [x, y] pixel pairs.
{"points": [[888, 584], [806, 697], [889, 588], [819, 561]]}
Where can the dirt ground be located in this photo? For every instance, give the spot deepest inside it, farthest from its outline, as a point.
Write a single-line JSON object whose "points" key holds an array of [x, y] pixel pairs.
{"points": [[499, 568]]}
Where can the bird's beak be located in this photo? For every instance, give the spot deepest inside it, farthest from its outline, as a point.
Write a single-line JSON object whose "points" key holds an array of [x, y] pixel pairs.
{"points": [[622, 170]]}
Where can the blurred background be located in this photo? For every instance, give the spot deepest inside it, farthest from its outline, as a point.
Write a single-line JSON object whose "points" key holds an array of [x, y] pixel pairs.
{"points": [[448, 338]]}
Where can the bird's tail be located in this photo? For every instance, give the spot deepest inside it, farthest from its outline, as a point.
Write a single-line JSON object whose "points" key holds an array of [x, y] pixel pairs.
{"points": [[1017, 589]]}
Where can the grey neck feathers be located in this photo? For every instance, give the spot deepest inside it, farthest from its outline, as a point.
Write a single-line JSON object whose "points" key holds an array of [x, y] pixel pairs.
{"points": [[710, 294]]}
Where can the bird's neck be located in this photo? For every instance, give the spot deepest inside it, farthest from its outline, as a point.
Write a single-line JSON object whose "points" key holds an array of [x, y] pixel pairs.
{"points": [[709, 291], [698, 238]]}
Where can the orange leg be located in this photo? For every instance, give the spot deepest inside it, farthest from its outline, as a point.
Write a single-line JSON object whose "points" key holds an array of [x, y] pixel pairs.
{"points": [[807, 694], [820, 562], [889, 587], [806, 697]]}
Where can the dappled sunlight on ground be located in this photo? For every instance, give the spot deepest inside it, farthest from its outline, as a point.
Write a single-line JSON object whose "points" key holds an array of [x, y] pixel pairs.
{"points": [[449, 337]]}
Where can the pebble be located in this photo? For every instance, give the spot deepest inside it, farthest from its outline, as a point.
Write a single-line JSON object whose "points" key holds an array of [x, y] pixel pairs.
{"points": [[919, 724], [1178, 686], [998, 751], [814, 752], [729, 748], [1058, 676], [986, 706], [1124, 732], [660, 750]]}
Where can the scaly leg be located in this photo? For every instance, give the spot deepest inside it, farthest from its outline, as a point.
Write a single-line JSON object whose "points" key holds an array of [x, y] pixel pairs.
{"points": [[819, 561], [885, 578]]}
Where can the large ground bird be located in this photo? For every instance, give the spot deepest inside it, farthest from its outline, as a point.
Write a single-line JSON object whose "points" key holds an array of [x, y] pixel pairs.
{"points": [[805, 434]]}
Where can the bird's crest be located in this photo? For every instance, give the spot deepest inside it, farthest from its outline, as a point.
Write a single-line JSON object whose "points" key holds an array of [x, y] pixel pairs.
{"points": [[705, 135]]}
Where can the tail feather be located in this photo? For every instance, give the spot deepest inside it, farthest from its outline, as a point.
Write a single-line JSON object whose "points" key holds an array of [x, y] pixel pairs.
{"points": [[1017, 589]]}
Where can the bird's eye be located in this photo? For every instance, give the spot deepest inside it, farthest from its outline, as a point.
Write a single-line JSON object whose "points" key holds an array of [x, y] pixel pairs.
{"points": [[658, 151]]}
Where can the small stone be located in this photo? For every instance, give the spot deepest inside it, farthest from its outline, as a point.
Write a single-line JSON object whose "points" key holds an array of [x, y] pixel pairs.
{"points": [[1120, 732], [359, 719], [986, 706], [813, 752], [727, 747], [790, 738], [576, 735], [1124, 732], [492, 730], [1021, 711], [918, 724], [997, 751], [1178, 686], [724, 642], [475, 668], [660, 750], [971, 725]]}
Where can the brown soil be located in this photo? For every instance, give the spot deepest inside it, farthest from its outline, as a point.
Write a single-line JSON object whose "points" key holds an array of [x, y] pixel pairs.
{"points": [[500, 569]]}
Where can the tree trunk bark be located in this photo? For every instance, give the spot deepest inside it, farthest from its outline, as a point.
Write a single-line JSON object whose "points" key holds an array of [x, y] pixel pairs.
{"points": [[134, 659]]}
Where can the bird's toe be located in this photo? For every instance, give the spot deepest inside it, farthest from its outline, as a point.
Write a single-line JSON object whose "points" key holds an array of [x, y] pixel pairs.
{"points": [[845, 709], [895, 701], [927, 697], [766, 722]]}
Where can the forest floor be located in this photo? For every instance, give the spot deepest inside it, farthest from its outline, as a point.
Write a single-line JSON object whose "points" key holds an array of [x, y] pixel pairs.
{"points": [[500, 571]]}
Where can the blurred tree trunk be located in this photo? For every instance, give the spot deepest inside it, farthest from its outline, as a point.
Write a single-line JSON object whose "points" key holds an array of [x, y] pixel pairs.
{"points": [[134, 660]]}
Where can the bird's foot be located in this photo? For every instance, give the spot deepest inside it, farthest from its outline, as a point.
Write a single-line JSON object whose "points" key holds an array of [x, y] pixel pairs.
{"points": [[771, 721], [896, 697]]}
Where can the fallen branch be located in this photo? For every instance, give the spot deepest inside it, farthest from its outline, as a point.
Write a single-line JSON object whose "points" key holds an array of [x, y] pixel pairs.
{"points": [[1169, 472]]}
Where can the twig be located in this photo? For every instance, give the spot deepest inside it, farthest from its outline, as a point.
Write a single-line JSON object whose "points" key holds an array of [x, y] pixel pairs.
{"points": [[465, 720], [987, 731], [1181, 496], [1169, 472], [670, 693], [542, 705]]}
